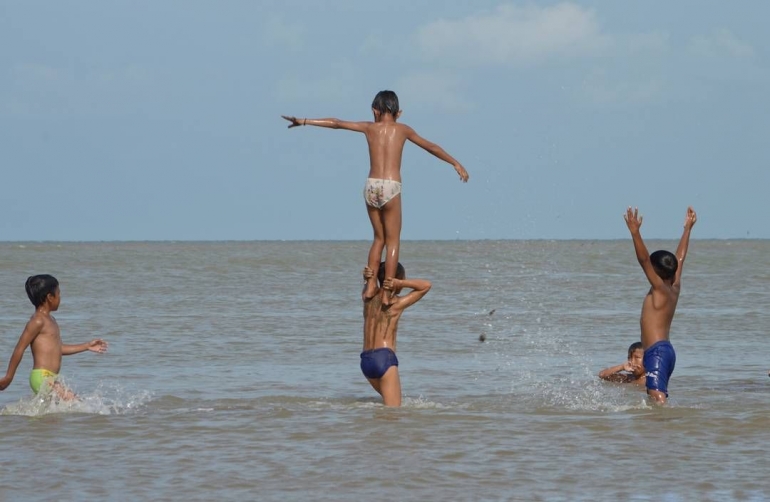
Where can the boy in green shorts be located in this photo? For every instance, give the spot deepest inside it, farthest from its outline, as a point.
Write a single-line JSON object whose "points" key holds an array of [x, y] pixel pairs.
{"points": [[43, 335]]}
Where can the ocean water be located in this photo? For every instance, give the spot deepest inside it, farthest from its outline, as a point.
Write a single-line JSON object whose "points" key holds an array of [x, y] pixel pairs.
{"points": [[232, 374]]}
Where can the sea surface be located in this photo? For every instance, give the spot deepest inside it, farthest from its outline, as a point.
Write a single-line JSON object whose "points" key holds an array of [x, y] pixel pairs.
{"points": [[233, 374]]}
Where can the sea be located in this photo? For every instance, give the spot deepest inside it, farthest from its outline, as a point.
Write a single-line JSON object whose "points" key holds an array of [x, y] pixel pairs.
{"points": [[233, 374]]}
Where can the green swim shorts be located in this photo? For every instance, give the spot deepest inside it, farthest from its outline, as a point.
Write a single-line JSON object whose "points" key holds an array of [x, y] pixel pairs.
{"points": [[39, 376]]}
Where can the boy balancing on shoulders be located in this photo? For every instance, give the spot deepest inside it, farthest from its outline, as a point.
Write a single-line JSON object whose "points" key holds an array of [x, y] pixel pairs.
{"points": [[42, 333], [382, 192], [631, 371], [664, 271], [379, 363]]}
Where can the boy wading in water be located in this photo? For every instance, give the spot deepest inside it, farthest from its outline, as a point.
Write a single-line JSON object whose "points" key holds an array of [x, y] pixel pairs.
{"points": [[382, 192], [664, 271], [379, 363], [42, 333]]}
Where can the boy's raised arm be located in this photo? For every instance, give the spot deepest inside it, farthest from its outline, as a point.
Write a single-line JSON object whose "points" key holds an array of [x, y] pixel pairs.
{"points": [[31, 330], [331, 123], [681, 251], [634, 222], [436, 151], [419, 287]]}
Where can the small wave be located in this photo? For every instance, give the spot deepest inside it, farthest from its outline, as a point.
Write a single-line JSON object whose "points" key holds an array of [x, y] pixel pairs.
{"points": [[105, 400]]}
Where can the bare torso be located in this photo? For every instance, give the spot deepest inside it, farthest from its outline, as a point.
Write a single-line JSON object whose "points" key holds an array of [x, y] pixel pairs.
{"points": [[386, 144], [47, 346], [657, 313], [380, 324]]}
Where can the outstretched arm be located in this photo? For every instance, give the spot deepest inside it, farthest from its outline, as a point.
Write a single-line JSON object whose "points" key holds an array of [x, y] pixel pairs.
{"points": [[634, 222], [331, 123], [31, 330], [681, 251], [437, 151], [97, 345], [419, 287]]}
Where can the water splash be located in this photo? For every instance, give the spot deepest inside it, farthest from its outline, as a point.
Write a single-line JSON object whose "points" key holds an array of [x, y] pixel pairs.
{"points": [[107, 399]]}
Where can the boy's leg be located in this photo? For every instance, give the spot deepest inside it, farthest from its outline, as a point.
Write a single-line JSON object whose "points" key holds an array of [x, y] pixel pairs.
{"points": [[63, 392], [375, 252], [390, 387], [657, 396], [391, 216]]}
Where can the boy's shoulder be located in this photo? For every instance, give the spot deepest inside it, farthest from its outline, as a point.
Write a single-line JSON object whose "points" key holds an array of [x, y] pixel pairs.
{"points": [[42, 319]]}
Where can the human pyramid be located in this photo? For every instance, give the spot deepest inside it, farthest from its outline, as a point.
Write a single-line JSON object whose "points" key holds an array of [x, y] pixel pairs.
{"points": [[384, 280]]}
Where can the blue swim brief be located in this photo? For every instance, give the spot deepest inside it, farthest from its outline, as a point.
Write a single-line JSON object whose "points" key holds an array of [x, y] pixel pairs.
{"points": [[375, 362], [659, 362]]}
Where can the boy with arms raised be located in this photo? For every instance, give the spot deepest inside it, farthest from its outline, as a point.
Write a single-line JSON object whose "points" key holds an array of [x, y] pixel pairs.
{"points": [[631, 371], [664, 271], [42, 333], [382, 192], [379, 363]]}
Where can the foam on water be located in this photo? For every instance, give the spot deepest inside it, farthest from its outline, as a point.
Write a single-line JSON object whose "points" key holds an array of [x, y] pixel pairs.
{"points": [[106, 399]]}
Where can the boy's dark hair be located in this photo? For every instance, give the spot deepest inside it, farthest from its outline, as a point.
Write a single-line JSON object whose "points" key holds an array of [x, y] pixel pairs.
{"points": [[38, 288], [386, 102], [634, 347], [400, 272], [664, 263]]}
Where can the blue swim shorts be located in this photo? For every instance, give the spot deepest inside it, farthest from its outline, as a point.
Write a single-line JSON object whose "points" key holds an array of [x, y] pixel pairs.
{"points": [[659, 362], [375, 362]]}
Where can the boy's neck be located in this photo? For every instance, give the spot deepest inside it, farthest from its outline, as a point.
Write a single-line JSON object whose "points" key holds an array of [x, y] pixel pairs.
{"points": [[44, 309], [386, 117]]}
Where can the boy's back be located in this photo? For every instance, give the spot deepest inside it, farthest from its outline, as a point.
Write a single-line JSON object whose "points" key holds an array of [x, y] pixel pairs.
{"points": [[386, 145], [657, 312]]}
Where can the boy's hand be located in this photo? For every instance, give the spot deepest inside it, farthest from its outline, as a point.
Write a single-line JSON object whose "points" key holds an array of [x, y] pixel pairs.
{"points": [[690, 218], [391, 284], [368, 273], [5, 382], [99, 346], [633, 220], [462, 172], [294, 121], [629, 367]]}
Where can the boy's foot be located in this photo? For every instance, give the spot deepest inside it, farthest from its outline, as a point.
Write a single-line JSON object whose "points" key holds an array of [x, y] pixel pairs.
{"points": [[370, 289]]}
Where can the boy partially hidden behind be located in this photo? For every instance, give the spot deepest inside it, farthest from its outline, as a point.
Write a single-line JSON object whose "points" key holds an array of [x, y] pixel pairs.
{"points": [[42, 333], [378, 359], [631, 371], [664, 271]]}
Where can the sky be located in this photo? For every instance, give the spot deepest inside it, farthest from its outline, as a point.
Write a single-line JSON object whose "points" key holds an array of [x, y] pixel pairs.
{"points": [[160, 120]]}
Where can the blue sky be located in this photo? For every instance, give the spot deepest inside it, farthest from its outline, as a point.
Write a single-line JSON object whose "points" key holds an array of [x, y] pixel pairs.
{"points": [[160, 120]]}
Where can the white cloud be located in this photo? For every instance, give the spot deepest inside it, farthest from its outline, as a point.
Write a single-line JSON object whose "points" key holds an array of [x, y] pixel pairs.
{"points": [[278, 32], [513, 35], [37, 72], [338, 84], [602, 88], [433, 89], [721, 43]]}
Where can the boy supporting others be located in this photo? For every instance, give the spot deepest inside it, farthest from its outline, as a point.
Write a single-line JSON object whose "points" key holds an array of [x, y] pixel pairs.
{"points": [[633, 367], [382, 192], [664, 271], [42, 333], [379, 363]]}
